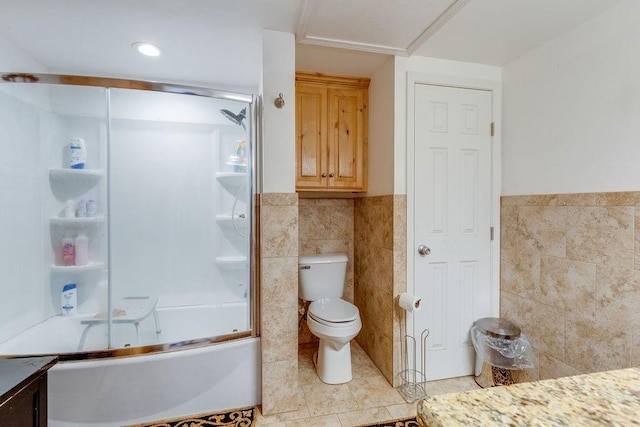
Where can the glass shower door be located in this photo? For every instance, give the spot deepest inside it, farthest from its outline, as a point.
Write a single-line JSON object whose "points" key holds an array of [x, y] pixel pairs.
{"points": [[180, 215]]}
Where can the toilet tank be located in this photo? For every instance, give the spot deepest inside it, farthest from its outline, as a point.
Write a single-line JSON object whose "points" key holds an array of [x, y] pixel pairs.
{"points": [[321, 276]]}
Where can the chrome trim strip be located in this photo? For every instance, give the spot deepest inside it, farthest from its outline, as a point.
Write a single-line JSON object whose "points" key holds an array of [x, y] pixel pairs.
{"points": [[137, 351], [108, 82]]}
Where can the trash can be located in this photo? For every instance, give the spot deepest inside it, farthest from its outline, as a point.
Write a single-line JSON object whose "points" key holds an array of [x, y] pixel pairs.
{"points": [[503, 353]]}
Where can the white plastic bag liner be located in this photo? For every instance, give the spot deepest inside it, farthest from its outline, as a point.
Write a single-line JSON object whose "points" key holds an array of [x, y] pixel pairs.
{"points": [[506, 353]]}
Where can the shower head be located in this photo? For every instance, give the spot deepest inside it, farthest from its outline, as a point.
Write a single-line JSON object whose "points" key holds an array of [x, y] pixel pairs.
{"points": [[236, 118]]}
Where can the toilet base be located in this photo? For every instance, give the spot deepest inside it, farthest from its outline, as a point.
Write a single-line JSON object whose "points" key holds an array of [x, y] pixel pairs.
{"points": [[333, 366]]}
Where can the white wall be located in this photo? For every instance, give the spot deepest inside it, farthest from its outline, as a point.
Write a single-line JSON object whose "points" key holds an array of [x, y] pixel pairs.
{"points": [[278, 132], [451, 70], [572, 109], [13, 59], [381, 95]]}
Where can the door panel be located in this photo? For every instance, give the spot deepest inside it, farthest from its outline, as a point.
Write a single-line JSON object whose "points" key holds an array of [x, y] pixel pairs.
{"points": [[452, 217], [346, 151], [311, 140]]}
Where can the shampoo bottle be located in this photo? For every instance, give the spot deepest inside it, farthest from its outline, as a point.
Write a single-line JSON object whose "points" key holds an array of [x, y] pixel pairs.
{"points": [[68, 253], [69, 300], [81, 246], [77, 154]]}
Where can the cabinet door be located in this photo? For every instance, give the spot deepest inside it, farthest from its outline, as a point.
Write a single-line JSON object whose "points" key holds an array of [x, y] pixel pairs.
{"points": [[28, 407], [311, 137], [347, 139]]}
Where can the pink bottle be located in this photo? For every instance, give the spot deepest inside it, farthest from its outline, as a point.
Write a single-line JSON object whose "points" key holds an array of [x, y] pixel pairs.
{"points": [[68, 252]]}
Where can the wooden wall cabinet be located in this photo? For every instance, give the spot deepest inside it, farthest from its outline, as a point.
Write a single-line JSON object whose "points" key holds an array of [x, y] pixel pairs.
{"points": [[331, 133]]}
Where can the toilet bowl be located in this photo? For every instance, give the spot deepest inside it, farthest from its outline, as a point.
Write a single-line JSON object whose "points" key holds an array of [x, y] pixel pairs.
{"points": [[336, 322]]}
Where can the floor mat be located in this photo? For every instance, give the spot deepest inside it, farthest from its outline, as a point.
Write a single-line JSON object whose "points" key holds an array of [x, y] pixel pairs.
{"points": [[243, 417], [406, 422]]}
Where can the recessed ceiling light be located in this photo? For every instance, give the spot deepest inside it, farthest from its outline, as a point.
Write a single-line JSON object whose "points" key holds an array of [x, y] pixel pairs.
{"points": [[147, 49]]}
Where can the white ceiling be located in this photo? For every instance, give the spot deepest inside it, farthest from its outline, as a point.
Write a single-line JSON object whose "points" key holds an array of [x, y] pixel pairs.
{"points": [[217, 42]]}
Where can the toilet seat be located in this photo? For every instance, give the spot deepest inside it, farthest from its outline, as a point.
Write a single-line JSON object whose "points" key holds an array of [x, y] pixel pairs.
{"points": [[333, 312]]}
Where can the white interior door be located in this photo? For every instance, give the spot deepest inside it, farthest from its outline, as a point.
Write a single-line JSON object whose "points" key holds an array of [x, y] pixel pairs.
{"points": [[452, 218]]}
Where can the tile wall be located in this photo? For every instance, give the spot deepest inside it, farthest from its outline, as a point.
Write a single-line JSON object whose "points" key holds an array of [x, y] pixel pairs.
{"points": [[326, 226], [279, 301], [570, 278], [372, 231], [380, 275]]}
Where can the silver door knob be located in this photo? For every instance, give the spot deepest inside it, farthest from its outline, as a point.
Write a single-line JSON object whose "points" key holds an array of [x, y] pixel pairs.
{"points": [[423, 250]]}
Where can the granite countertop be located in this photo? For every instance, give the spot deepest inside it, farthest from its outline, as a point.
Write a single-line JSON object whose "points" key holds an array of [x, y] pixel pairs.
{"points": [[609, 398]]}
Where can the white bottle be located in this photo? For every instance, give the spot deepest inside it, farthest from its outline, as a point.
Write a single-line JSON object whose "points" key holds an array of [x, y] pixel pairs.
{"points": [[77, 153], [69, 209], [69, 299], [81, 246]]}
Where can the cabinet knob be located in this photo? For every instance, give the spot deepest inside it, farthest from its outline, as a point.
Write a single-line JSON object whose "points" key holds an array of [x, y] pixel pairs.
{"points": [[331, 175], [324, 175]]}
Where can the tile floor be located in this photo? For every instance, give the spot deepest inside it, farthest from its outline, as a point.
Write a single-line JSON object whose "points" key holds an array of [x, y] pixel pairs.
{"points": [[367, 399]]}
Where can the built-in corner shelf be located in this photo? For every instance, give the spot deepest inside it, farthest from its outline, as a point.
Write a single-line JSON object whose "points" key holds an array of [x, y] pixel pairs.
{"points": [[62, 174], [89, 220], [233, 222], [232, 262], [231, 181], [94, 266]]}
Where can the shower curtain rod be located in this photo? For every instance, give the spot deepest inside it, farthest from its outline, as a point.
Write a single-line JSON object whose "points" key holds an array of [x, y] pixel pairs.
{"points": [[123, 84]]}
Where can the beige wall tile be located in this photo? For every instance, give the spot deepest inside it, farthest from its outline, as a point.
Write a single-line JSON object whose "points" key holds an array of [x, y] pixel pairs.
{"points": [[591, 320], [280, 386], [568, 285], [326, 222], [601, 235], [553, 368], [279, 287], [577, 199], [624, 198], [592, 347], [278, 301], [544, 325], [543, 228], [635, 347], [279, 231], [520, 271], [636, 239], [509, 306], [279, 199], [618, 298], [279, 335]]}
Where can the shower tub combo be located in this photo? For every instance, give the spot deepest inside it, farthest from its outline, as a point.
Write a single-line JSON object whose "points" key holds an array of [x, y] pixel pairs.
{"points": [[160, 322]]}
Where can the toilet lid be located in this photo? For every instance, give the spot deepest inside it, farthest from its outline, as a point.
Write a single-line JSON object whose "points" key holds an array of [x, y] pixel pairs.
{"points": [[334, 310]]}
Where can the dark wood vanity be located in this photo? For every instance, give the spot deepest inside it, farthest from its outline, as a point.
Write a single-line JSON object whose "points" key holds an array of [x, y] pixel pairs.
{"points": [[23, 386]]}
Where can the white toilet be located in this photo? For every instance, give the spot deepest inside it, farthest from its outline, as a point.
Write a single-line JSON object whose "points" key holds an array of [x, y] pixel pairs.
{"points": [[335, 321]]}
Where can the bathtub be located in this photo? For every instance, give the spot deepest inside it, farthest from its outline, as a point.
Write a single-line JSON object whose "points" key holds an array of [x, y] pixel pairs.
{"points": [[188, 378], [116, 392]]}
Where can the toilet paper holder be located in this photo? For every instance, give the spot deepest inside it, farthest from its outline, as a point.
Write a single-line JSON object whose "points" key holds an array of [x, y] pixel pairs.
{"points": [[411, 384]]}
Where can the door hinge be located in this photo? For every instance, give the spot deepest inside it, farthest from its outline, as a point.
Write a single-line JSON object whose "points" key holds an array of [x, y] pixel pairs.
{"points": [[491, 233], [493, 128]]}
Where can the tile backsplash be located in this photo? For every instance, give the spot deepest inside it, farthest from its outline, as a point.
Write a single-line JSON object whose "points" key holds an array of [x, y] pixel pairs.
{"points": [[570, 278]]}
